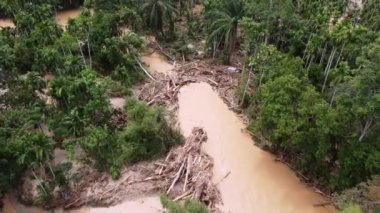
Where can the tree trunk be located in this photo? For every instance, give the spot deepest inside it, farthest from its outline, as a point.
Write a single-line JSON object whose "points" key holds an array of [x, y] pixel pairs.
{"points": [[366, 129], [333, 96], [268, 20], [323, 54], [328, 67], [89, 49], [232, 43]]}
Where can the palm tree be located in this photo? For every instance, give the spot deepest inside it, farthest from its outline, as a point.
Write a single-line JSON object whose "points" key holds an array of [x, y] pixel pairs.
{"points": [[158, 12], [223, 25]]}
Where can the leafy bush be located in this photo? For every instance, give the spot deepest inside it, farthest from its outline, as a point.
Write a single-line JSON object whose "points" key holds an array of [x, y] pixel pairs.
{"points": [[101, 146], [82, 99], [293, 116], [352, 208], [338, 137], [190, 206], [114, 88], [22, 145], [146, 135], [19, 94], [147, 131]]}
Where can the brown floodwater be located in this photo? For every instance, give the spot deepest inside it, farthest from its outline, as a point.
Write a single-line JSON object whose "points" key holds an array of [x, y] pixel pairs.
{"points": [[249, 179], [117, 103], [141, 205], [6, 22], [62, 18], [156, 62], [197, 9]]}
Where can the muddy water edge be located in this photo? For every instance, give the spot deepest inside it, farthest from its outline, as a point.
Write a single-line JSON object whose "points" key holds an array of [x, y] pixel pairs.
{"points": [[248, 178], [142, 205], [61, 18]]}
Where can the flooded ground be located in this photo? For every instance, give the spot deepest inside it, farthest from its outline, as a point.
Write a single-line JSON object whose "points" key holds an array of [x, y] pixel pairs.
{"points": [[142, 205], [197, 9], [156, 62], [249, 179], [62, 18], [6, 22], [117, 103]]}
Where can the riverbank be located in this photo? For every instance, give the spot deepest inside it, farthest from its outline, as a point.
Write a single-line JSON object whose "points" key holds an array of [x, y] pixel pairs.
{"points": [[241, 169], [248, 178]]}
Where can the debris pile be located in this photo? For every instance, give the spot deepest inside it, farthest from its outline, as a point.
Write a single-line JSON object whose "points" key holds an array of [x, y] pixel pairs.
{"points": [[164, 89], [186, 172]]}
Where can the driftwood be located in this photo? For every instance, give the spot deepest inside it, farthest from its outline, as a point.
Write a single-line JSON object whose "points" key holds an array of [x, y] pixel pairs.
{"points": [[193, 177], [162, 51], [165, 90], [185, 172], [145, 71]]}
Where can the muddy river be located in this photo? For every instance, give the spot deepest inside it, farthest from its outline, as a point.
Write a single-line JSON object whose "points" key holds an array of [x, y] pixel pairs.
{"points": [[250, 180], [156, 62], [142, 205], [254, 181]]}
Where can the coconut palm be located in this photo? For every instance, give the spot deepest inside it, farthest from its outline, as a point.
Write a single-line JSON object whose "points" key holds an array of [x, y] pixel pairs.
{"points": [[157, 12], [223, 25]]}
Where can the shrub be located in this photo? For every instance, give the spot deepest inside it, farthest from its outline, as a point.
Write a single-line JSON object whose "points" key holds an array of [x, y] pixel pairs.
{"points": [[146, 135], [190, 206]]}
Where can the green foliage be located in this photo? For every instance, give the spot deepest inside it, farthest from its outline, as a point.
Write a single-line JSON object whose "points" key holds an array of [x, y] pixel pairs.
{"points": [[147, 131], [129, 17], [47, 60], [83, 100], [89, 62], [100, 145], [190, 206], [269, 63], [315, 87], [293, 116], [34, 81], [146, 135], [352, 208], [114, 88], [22, 144], [338, 138], [7, 56], [19, 94], [361, 197], [157, 13], [121, 51], [371, 14], [223, 19], [56, 176], [105, 5]]}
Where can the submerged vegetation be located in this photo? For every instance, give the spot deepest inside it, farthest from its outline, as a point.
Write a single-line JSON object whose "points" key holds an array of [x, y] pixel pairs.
{"points": [[58, 83], [310, 85]]}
